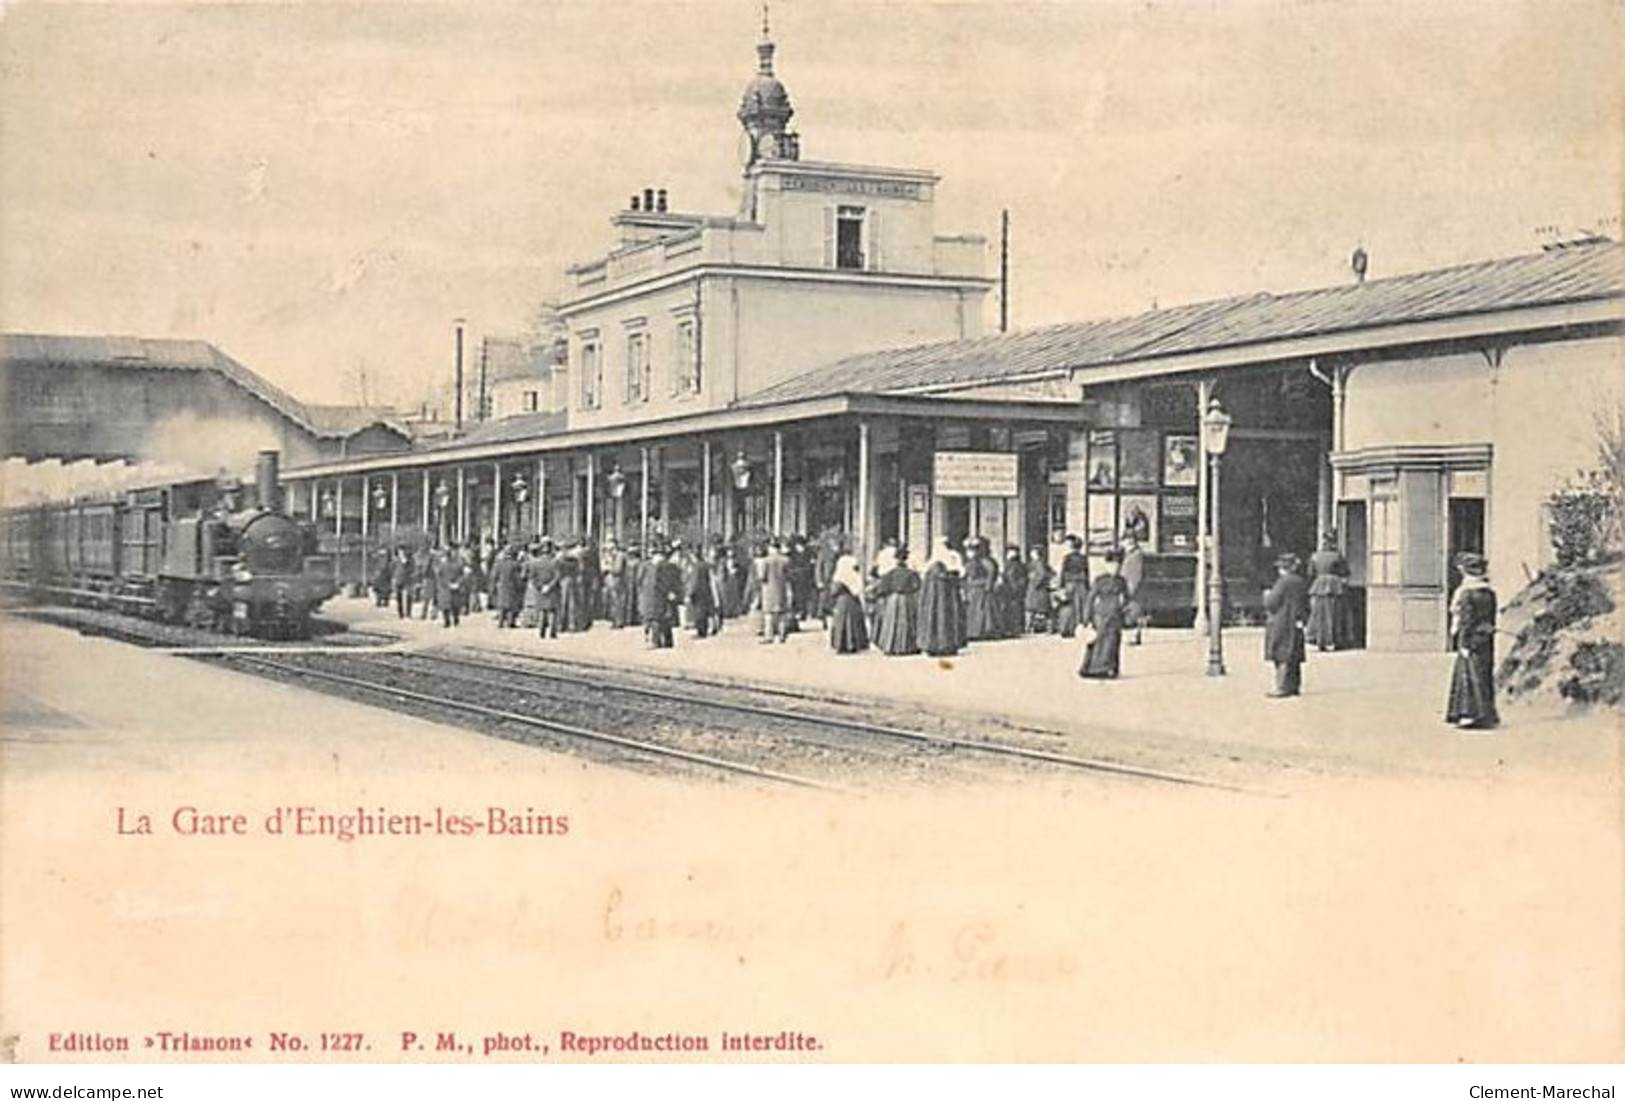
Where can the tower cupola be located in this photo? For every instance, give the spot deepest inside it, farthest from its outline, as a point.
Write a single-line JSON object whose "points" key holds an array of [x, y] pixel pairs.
{"points": [[765, 110]]}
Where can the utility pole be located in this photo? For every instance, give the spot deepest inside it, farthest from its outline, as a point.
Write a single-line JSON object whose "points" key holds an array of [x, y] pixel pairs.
{"points": [[457, 423], [1004, 271], [483, 411]]}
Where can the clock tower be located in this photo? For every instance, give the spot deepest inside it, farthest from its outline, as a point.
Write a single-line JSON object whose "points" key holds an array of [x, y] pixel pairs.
{"points": [[764, 111]]}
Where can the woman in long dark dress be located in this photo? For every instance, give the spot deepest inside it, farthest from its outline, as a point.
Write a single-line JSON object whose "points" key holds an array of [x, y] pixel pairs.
{"points": [[1072, 588], [1102, 620], [634, 585], [942, 629], [848, 628], [896, 593], [829, 553], [733, 585], [1010, 593], [1036, 603], [981, 580], [1472, 630]]}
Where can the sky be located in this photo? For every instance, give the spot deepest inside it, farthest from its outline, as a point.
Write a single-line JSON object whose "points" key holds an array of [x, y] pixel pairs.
{"points": [[320, 189]]}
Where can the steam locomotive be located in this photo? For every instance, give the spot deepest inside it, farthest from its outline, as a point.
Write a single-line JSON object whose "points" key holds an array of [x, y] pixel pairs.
{"points": [[210, 553]]}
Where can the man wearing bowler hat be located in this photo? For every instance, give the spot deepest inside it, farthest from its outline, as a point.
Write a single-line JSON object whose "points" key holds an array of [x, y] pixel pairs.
{"points": [[1287, 605]]}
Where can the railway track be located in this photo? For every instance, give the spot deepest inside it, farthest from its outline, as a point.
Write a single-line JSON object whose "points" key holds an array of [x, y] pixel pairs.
{"points": [[639, 718], [868, 729], [444, 702], [180, 638], [712, 731]]}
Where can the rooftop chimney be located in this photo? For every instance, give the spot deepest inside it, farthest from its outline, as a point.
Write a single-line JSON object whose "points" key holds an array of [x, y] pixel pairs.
{"points": [[660, 200], [648, 198], [633, 205]]}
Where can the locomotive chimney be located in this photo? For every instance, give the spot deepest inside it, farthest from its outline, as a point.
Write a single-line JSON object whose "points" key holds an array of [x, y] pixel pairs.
{"points": [[267, 472]]}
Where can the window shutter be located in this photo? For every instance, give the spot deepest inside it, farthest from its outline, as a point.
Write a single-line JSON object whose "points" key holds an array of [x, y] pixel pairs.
{"points": [[829, 236], [871, 242], [1424, 553]]}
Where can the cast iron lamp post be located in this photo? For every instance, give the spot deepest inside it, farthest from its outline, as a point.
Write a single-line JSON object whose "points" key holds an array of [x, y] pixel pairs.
{"points": [[521, 494], [442, 496], [380, 502], [1216, 429]]}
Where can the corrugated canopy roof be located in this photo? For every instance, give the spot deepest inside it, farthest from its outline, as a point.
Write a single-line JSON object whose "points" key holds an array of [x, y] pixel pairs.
{"points": [[1552, 277], [521, 426]]}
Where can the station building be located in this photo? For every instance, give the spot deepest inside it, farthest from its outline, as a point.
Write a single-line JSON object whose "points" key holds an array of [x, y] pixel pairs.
{"points": [[814, 363]]}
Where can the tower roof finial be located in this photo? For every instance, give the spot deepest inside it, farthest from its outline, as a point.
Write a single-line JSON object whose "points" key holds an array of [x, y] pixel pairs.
{"points": [[764, 19]]}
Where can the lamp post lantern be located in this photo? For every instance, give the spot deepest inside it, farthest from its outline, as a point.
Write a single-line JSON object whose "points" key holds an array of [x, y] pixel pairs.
{"points": [[442, 496], [380, 505], [521, 494], [1216, 433]]}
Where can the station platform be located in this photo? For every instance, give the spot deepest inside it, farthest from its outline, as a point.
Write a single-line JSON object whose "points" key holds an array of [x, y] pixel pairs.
{"points": [[1361, 711], [1077, 910]]}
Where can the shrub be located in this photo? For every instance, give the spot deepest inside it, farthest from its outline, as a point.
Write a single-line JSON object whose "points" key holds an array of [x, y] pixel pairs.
{"points": [[1597, 674], [1582, 525], [1566, 600], [1587, 517]]}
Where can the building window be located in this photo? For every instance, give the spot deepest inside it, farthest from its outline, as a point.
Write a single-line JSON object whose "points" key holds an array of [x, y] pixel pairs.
{"points": [[849, 237], [1384, 533], [592, 376], [637, 367], [685, 373], [532, 401]]}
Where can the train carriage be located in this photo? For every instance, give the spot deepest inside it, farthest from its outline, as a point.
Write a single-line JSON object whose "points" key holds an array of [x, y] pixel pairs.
{"points": [[208, 552]]}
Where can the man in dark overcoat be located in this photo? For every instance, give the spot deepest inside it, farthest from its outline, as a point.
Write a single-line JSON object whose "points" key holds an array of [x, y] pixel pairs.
{"points": [[402, 579], [774, 572], [450, 575], [658, 594], [1287, 605], [802, 574], [697, 592], [635, 569], [544, 583], [505, 586]]}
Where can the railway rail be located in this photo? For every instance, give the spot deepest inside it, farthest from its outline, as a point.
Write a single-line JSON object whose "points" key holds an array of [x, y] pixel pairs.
{"points": [[869, 729], [642, 718], [445, 702], [716, 731]]}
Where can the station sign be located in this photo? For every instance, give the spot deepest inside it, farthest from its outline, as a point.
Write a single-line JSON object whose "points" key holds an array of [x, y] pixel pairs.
{"points": [[975, 473]]}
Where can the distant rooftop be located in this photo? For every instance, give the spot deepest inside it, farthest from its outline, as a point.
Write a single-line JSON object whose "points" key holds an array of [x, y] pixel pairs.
{"points": [[162, 354], [148, 353], [346, 420]]}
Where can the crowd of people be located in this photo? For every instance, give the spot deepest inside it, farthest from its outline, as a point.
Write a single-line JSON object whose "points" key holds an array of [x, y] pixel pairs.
{"points": [[779, 586], [954, 598]]}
